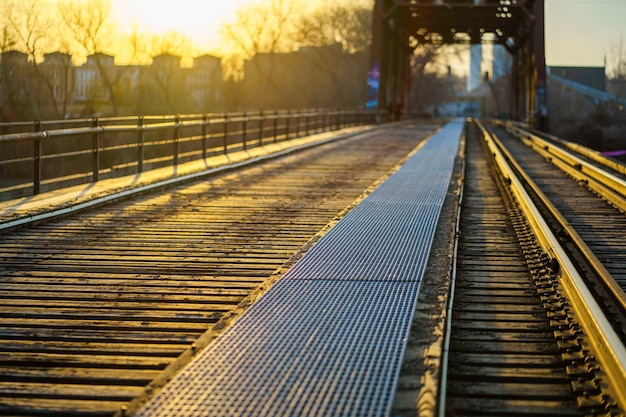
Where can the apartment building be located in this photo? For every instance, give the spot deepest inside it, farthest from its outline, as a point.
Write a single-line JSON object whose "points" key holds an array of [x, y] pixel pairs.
{"points": [[56, 87]]}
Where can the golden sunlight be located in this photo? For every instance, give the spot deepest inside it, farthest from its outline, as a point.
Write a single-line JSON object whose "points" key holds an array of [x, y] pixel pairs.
{"points": [[199, 20]]}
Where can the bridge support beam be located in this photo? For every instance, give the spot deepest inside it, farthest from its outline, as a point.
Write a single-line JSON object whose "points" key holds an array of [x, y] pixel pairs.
{"points": [[539, 67], [518, 26]]}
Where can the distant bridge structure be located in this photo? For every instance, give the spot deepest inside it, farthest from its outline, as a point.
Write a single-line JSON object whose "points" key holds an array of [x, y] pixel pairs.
{"points": [[400, 25]]}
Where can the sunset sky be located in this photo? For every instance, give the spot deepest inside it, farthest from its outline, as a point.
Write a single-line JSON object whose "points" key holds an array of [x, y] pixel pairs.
{"points": [[198, 19], [578, 32], [582, 32]]}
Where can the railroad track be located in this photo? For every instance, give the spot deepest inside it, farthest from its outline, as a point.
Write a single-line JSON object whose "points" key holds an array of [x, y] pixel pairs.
{"points": [[585, 203], [100, 308], [523, 339]]}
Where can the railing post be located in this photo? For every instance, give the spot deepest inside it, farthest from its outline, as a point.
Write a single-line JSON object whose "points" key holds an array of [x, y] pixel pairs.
{"points": [[261, 119], [297, 123], [176, 136], [140, 144], [225, 133], [288, 127], [306, 122], [244, 128], [95, 150], [275, 126], [37, 160], [327, 120], [316, 120], [204, 138]]}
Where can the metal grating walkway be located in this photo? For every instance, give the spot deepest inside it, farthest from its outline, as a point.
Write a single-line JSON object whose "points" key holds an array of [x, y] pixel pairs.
{"points": [[328, 338]]}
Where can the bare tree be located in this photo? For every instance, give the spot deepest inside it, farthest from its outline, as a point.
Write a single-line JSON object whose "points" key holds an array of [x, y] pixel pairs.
{"points": [[134, 47], [91, 30], [258, 28], [7, 36], [172, 43], [88, 24], [347, 23], [7, 42], [29, 23], [338, 35], [164, 89]]}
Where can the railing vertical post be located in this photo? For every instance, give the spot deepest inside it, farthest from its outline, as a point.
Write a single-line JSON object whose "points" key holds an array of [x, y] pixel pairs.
{"points": [[306, 123], [319, 120], [275, 125], [297, 123], [288, 125], [37, 160], [140, 144], [261, 119], [327, 120], [95, 150], [225, 133], [244, 128], [176, 136], [204, 137]]}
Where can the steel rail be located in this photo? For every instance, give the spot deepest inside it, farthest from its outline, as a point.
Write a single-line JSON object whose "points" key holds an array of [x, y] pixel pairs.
{"points": [[586, 152], [608, 348], [615, 290], [445, 354], [609, 186]]}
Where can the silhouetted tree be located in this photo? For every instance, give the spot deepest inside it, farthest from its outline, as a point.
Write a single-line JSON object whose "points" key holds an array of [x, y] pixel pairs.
{"points": [[265, 28], [163, 87], [28, 24], [338, 35], [89, 27], [292, 58]]}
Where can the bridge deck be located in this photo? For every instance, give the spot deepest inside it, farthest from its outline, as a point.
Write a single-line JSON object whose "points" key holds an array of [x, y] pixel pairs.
{"points": [[328, 338]]}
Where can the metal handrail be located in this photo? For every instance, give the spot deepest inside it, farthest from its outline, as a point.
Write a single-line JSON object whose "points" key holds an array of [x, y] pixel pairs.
{"points": [[200, 133]]}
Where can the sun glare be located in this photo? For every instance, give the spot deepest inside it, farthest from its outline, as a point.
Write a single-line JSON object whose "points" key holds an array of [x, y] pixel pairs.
{"points": [[199, 20]]}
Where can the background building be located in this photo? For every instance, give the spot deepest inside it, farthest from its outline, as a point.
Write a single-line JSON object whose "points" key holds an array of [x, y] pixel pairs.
{"points": [[56, 88]]}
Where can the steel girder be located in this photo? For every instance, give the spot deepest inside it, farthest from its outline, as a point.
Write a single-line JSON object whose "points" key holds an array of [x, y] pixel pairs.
{"points": [[518, 25]]}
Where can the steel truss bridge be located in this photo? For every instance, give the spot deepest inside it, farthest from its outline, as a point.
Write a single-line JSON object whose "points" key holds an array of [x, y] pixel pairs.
{"points": [[518, 25]]}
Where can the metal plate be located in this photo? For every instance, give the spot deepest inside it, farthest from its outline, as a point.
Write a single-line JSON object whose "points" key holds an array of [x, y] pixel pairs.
{"points": [[328, 339]]}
